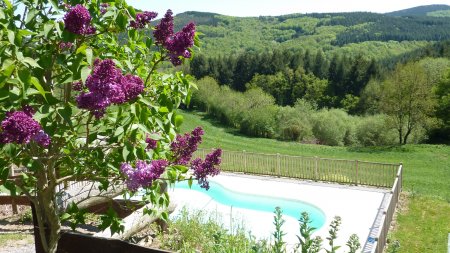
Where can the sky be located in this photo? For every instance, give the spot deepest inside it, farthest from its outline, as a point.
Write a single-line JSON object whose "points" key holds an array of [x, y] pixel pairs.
{"points": [[244, 8]]}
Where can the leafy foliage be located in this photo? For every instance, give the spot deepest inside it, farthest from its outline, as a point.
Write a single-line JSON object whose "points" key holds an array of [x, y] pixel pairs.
{"points": [[77, 102]]}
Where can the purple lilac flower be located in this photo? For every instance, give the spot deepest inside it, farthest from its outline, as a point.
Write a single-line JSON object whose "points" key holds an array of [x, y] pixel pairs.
{"points": [[94, 102], [108, 86], [78, 20], [42, 139], [179, 43], [144, 174], [64, 45], [28, 110], [164, 29], [132, 86], [185, 145], [142, 19], [203, 169], [151, 144], [77, 86], [19, 127], [103, 8]]}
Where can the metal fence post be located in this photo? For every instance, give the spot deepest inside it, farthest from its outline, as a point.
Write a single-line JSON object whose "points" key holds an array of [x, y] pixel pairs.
{"points": [[357, 178]]}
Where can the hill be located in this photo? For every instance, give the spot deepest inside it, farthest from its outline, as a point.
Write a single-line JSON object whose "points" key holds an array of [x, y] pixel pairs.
{"points": [[426, 10], [378, 35]]}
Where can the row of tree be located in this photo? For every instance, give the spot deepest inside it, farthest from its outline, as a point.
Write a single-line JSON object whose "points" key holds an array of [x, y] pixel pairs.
{"points": [[289, 75], [413, 99]]}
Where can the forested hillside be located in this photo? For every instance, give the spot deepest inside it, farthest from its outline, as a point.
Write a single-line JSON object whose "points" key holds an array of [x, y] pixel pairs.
{"points": [[351, 62], [383, 35], [428, 10]]}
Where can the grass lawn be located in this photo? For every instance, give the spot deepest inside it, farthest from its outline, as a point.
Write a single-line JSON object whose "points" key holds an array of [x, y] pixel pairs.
{"points": [[426, 176], [13, 238]]}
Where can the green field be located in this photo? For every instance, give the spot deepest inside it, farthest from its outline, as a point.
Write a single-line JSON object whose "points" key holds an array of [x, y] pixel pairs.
{"points": [[426, 177]]}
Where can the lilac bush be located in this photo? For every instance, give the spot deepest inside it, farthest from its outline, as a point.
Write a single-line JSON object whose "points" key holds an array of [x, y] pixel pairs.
{"points": [[19, 127], [78, 20], [81, 103], [177, 44]]}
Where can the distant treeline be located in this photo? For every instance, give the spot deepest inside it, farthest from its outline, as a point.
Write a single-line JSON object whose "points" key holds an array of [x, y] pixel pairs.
{"points": [[289, 75]]}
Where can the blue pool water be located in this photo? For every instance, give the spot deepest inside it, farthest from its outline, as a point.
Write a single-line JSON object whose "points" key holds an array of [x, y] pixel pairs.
{"points": [[228, 197]]}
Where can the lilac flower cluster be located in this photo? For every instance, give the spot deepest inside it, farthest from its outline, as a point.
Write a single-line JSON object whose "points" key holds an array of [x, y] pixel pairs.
{"points": [[144, 174], [177, 44], [142, 19], [78, 20], [77, 86], [164, 29], [20, 127], [65, 46], [151, 144], [208, 167], [185, 145], [103, 8], [108, 86]]}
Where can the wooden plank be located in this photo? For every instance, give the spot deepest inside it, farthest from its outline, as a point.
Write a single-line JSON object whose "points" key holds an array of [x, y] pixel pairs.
{"points": [[19, 200], [71, 242]]}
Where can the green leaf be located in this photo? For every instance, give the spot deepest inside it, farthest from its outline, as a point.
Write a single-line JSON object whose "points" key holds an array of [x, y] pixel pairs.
{"points": [[149, 42], [125, 153], [164, 109], [11, 36], [8, 4], [47, 28], [122, 21], [38, 86], [119, 131], [85, 71], [31, 62], [132, 11], [31, 16], [179, 120], [164, 216], [89, 56], [82, 49], [8, 67], [109, 14], [66, 113], [65, 216]]}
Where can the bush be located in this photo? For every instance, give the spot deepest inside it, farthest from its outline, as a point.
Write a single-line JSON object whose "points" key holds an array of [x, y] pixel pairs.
{"points": [[333, 127], [293, 124], [375, 131], [260, 122]]}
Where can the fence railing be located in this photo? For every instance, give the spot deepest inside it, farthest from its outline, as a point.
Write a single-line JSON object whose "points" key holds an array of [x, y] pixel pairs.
{"points": [[324, 169], [313, 168], [388, 212]]}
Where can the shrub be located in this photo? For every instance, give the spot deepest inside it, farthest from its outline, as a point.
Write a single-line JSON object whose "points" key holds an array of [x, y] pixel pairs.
{"points": [[293, 124], [375, 131], [260, 122], [331, 127]]}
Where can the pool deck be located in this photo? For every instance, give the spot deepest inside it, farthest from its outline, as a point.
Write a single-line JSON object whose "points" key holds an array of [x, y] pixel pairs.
{"points": [[359, 207]]}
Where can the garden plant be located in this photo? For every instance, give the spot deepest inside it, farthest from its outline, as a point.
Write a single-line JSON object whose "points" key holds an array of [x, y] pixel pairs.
{"points": [[82, 99]]}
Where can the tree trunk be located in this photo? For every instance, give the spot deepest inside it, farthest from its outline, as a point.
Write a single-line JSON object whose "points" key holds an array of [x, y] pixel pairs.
{"points": [[46, 211], [407, 135], [400, 136]]}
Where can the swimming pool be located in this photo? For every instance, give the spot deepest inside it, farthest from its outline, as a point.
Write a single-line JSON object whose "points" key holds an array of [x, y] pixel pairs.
{"points": [[229, 197]]}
